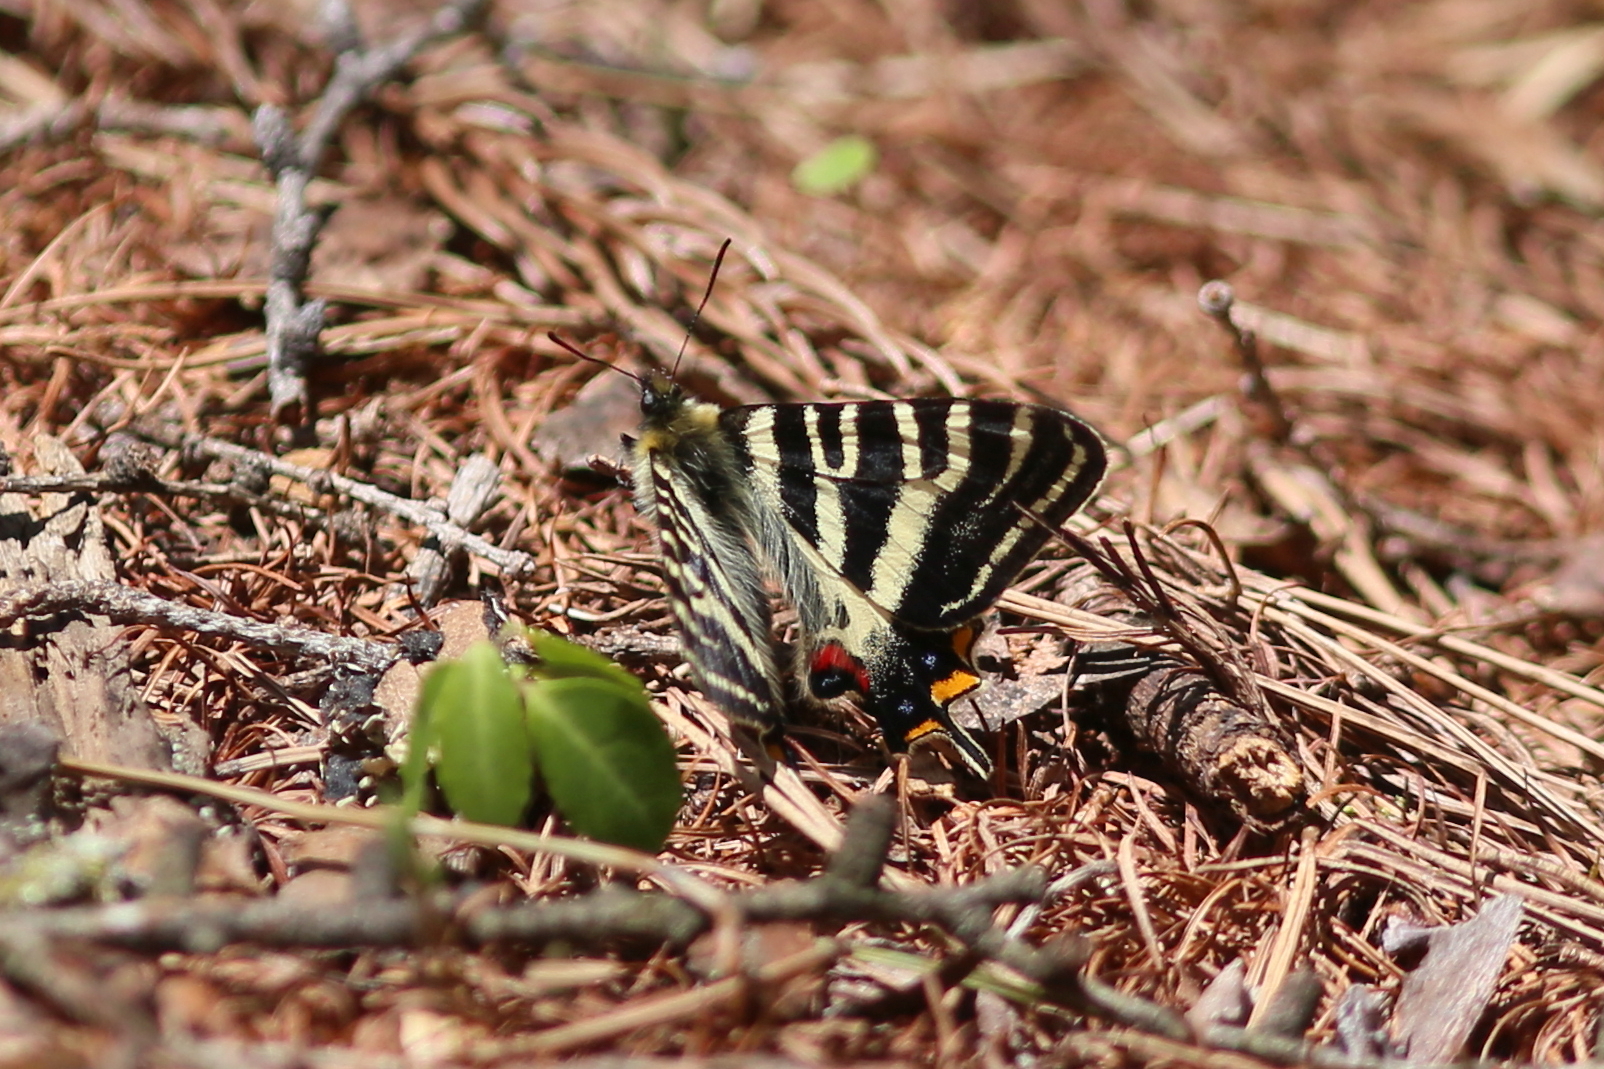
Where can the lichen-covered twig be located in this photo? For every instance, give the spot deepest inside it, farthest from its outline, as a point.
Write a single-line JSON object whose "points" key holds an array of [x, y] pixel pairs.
{"points": [[474, 489], [294, 323], [125, 605], [426, 514]]}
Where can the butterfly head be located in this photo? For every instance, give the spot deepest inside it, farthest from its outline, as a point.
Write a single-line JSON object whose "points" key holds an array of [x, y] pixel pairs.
{"points": [[660, 397], [673, 422]]}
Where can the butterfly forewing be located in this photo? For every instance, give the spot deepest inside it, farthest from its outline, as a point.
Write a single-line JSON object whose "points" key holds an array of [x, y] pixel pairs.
{"points": [[716, 593], [920, 505]]}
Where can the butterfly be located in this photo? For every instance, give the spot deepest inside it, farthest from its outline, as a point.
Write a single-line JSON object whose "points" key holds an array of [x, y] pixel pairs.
{"points": [[890, 526]]}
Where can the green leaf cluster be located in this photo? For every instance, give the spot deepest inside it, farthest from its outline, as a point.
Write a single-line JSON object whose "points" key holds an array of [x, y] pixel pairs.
{"points": [[573, 717]]}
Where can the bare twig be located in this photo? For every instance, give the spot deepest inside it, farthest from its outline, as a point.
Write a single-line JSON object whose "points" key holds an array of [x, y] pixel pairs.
{"points": [[124, 605], [122, 482], [293, 324], [848, 892], [207, 125], [1215, 299], [426, 514]]}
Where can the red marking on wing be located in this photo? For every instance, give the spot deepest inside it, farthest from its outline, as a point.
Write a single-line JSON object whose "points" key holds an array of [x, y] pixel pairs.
{"points": [[833, 657]]}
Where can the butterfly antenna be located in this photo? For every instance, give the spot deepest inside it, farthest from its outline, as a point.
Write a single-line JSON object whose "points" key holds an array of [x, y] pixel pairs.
{"points": [[718, 262], [564, 344]]}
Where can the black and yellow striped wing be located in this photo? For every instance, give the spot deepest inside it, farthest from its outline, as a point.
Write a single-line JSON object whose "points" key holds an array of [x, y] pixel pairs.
{"points": [[919, 504], [715, 589]]}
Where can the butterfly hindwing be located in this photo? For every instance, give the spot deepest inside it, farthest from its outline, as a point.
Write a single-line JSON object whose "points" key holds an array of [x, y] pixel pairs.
{"points": [[918, 504], [906, 678]]}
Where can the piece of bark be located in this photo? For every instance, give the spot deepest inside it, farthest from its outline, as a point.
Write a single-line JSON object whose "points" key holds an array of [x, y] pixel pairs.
{"points": [[1292, 1006], [1442, 1000], [27, 759], [461, 624], [1222, 751], [1359, 1021], [606, 407], [474, 489], [1225, 1001], [69, 673]]}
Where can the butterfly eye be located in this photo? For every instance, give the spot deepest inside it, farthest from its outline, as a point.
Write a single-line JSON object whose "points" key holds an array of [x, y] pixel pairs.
{"points": [[660, 396]]}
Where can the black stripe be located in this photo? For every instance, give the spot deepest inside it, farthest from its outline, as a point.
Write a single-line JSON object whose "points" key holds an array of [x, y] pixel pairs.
{"points": [[931, 419], [991, 437], [830, 440], [1052, 455], [869, 498], [732, 421], [879, 442], [961, 534], [799, 493], [866, 510], [791, 441]]}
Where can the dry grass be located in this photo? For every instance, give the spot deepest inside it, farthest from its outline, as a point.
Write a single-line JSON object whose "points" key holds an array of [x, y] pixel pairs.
{"points": [[1403, 197]]}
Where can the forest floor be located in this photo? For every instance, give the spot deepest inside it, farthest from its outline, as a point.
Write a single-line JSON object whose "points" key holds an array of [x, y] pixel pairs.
{"points": [[227, 504]]}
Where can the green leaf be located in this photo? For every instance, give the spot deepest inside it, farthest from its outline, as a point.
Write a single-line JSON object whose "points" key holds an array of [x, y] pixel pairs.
{"points": [[421, 738], [606, 759], [987, 977], [836, 167], [484, 767], [561, 659]]}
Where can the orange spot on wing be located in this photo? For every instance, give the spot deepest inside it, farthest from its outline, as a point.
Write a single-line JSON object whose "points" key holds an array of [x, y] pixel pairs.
{"points": [[919, 731], [953, 686]]}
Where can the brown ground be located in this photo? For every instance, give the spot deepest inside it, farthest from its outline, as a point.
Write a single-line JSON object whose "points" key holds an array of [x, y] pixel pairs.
{"points": [[1404, 198]]}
